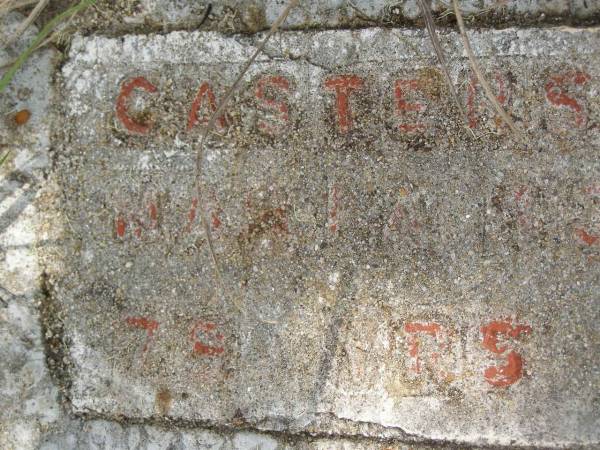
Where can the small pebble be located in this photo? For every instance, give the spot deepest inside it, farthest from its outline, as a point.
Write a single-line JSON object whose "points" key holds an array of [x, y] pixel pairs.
{"points": [[22, 117]]}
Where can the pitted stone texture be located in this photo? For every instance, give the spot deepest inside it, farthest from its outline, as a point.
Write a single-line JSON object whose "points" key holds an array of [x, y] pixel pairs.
{"points": [[28, 398], [386, 272], [99, 434], [257, 15]]}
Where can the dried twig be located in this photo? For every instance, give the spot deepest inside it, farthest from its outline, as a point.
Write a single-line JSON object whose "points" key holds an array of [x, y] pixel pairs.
{"points": [[7, 6], [471, 10], [211, 123], [429, 23], [205, 15], [479, 74]]}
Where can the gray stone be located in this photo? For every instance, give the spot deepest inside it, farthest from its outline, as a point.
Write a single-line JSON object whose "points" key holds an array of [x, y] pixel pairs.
{"points": [[386, 270], [28, 398], [243, 16]]}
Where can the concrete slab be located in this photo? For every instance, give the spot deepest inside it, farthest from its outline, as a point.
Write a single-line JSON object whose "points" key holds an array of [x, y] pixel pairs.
{"points": [[386, 271]]}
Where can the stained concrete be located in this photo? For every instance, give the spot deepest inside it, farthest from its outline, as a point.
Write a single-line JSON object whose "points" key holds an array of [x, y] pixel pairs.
{"points": [[397, 246], [386, 270]]}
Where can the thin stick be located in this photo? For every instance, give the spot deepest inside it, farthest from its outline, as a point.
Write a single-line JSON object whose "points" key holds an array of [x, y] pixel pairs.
{"points": [[361, 14], [27, 22], [479, 74], [211, 124], [424, 5], [8, 5]]}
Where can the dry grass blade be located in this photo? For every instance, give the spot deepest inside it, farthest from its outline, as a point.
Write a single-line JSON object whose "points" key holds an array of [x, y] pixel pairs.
{"points": [[27, 22], [479, 74], [43, 44], [426, 11], [211, 124], [3, 158], [40, 38], [470, 10], [7, 6]]}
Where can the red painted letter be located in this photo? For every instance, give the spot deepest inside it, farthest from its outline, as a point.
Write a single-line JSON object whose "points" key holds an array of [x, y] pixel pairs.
{"points": [[555, 93], [472, 107], [126, 90], [282, 108], [593, 190], [147, 324], [402, 106], [192, 213], [431, 329], [203, 91], [510, 373], [585, 237], [209, 334], [342, 86], [122, 221]]}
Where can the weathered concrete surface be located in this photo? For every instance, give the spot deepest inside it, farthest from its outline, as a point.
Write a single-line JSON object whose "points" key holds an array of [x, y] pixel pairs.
{"points": [[100, 434], [28, 403], [386, 272], [251, 16]]}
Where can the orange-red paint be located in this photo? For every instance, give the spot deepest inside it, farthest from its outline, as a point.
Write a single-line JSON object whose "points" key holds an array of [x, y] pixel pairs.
{"points": [[523, 203], [592, 190], [153, 211], [556, 93], [204, 91], [149, 325], [584, 236], [502, 97], [281, 83], [505, 375], [274, 220], [520, 192], [395, 218], [216, 222], [510, 373], [121, 109], [431, 329], [210, 333], [121, 223], [343, 85], [120, 226], [191, 215], [141, 225], [402, 106], [22, 117]]}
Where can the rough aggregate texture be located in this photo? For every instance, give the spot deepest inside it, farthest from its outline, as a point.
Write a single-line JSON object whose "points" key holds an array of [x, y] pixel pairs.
{"points": [[330, 243], [234, 16], [337, 237]]}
